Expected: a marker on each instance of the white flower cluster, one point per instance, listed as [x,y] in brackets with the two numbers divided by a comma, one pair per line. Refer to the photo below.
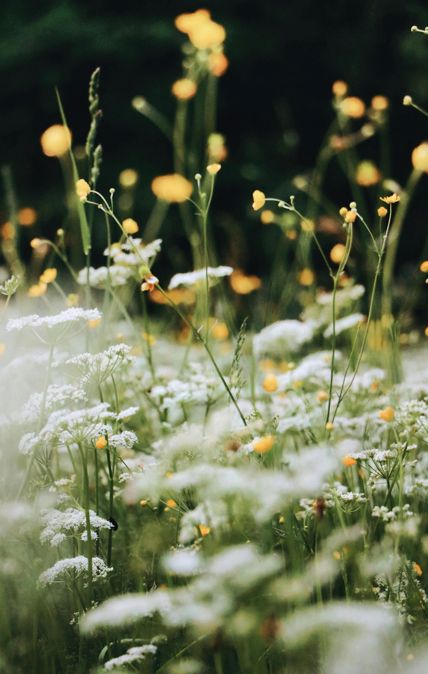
[74,567]
[192,278]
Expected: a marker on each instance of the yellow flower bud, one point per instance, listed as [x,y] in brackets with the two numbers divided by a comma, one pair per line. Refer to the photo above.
[420,157]
[130,226]
[259,199]
[82,189]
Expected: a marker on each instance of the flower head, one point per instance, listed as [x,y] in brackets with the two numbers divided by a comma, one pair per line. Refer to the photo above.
[49,275]
[353,107]
[101,442]
[213,169]
[173,188]
[264,444]
[244,284]
[184,89]
[387,414]
[218,63]
[420,157]
[56,141]
[391,199]
[82,189]
[130,226]
[259,199]
[150,282]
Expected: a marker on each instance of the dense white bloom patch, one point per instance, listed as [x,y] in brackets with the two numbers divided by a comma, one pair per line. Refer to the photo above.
[74,567]
[72,315]
[58,525]
[133,655]
[191,278]
[283,337]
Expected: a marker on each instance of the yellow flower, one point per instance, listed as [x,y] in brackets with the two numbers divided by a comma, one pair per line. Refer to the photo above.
[8,231]
[185,296]
[36,242]
[82,189]
[343,211]
[424,266]
[322,396]
[187,22]
[217,150]
[307,225]
[207,35]
[352,107]
[306,277]
[350,217]
[49,275]
[390,199]
[184,89]
[264,444]
[339,88]
[420,157]
[259,200]
[380,103]
[382,211]
[367,174]
[337,253]
[387,414]
[348,461]
[204,530]
[213,169]
[27,216]
[244,284]
[128,177]
[267,217]
[173,188]
[37,290]
[149,283]
[130,226]
[218,63]
[72,300]
[2,348]
[329,426]
[101,442]
[270,383]
[94,323]
[171,503]
[220,330]
[407,100]
[417,569]
[56,141]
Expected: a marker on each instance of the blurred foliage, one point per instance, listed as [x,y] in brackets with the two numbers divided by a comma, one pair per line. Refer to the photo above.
[274,108]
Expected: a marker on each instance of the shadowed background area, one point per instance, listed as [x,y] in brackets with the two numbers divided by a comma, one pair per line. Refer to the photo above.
[274,103]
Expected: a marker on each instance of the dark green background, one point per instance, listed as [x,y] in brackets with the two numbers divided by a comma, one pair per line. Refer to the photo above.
[274,100]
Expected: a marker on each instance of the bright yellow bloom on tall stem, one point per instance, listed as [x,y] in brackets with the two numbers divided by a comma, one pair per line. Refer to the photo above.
[56,140]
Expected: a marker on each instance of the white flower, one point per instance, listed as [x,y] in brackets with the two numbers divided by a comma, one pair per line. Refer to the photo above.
[343,324]
[132,656]
[72,567]
[116,275]
[193,277]
[60,524]
[283,337]
[72,315]
[125,609]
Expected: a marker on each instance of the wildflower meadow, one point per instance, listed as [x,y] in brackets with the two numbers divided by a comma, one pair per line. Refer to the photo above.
[208,468]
